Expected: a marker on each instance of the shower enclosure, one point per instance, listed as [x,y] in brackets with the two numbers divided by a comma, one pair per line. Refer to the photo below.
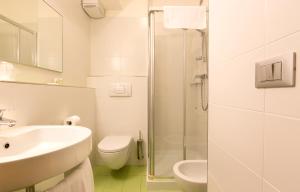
[178,103]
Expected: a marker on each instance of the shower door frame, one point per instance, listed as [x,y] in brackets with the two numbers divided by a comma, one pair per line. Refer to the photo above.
[151,92]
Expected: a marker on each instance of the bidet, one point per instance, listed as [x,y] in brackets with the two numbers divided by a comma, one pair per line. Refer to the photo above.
[191,175]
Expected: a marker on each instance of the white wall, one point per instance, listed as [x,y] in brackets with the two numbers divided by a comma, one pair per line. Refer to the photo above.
[76,48]
[47,105]
[253,133]
[119,54]
[158,3]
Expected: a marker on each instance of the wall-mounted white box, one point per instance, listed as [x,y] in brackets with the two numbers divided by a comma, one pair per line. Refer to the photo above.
[120,90]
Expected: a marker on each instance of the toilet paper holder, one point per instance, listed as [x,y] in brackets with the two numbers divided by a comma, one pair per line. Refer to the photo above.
[72,120]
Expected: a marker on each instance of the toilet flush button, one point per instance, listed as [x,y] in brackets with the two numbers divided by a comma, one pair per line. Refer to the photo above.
[269,72]
[278,71]
[120,90]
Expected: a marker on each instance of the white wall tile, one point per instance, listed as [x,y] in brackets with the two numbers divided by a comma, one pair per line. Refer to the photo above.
[282,18]
[119,46]
[273,31]
[230,175]
[119,52]
[235,22]
[240,133]
[76,48]
[121,115]
[47,105]
[281,152]
[173,2]
[284,100]
[267,187]
[212,185]
[233,82]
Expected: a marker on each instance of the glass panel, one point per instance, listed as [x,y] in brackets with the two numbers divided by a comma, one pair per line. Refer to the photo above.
[9,42]
[168,97]
[28,50]
[180,97]
[196,88]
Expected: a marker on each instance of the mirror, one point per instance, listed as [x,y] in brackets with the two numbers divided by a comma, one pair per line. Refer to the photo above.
[31,34]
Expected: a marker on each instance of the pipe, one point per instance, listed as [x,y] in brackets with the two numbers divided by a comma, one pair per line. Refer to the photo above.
[151,143]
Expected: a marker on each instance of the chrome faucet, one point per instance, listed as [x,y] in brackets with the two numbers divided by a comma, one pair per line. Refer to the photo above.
[4,121]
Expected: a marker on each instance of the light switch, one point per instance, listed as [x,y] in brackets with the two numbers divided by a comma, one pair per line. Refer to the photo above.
[277,70]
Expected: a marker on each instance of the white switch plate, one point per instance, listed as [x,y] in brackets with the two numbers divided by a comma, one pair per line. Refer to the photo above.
[120,90]
[288,68]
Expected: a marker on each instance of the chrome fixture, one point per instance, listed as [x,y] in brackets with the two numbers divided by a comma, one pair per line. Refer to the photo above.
[202,81]
[4,121]
[278,71]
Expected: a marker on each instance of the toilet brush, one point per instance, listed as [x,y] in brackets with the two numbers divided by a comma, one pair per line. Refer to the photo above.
[140,152]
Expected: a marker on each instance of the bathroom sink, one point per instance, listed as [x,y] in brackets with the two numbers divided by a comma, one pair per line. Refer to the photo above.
[32,154]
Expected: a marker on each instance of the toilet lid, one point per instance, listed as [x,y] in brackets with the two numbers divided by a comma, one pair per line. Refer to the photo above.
[114,143]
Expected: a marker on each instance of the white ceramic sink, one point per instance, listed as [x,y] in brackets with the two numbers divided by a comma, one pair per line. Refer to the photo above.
[32,154]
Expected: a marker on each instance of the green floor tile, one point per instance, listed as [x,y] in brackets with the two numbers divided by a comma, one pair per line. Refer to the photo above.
[100,182]
[137,170]
[164,191]
[114,184]
[143,184]
[132,184]
[101,170]
[127,179]
[121,173]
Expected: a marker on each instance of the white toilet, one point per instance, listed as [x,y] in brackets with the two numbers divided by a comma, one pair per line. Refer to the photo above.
[115,150]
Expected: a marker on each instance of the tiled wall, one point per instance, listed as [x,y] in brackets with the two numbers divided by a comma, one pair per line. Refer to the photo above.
[119,53]
[253,133]
[46,105]
[76,48]
[173,2]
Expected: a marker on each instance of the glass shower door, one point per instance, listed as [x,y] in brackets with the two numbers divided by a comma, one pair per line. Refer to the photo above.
[196,88]
[168,97]
[178,79]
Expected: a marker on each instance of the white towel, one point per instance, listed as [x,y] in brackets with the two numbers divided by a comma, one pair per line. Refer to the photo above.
[80,180]
[185,17]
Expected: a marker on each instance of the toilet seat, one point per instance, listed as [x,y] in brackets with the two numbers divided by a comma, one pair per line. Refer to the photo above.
[112,144]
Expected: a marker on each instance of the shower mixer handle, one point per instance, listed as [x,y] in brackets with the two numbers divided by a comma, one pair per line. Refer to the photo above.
[202,76]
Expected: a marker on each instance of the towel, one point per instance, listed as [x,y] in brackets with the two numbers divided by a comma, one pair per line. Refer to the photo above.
[80,180]
[185,17]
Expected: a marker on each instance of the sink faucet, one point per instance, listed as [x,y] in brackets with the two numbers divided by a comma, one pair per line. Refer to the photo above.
[4,121]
